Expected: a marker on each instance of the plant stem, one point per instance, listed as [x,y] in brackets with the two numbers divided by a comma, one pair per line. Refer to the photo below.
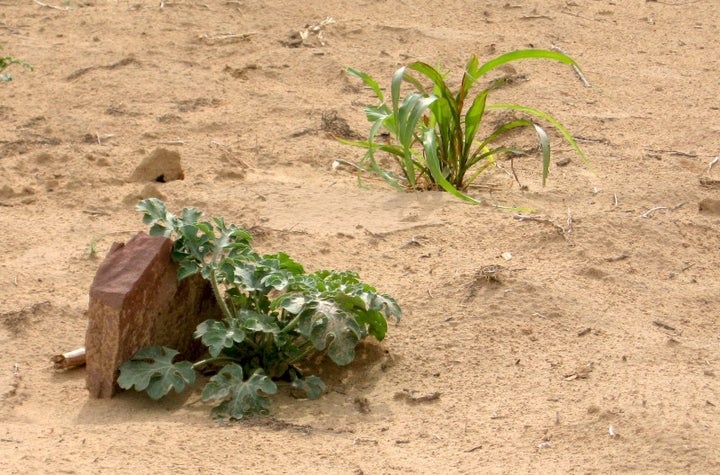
[291,324]
[218,296]
[309,350]
[207,361]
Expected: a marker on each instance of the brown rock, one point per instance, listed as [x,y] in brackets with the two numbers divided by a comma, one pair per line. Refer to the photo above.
[161,165]
[709,206]
[137,301]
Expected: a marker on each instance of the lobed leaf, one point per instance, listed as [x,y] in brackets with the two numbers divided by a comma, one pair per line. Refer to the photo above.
[331,327]
[157,216]
[152,370]
[313,386]
[218,335]
[239,397]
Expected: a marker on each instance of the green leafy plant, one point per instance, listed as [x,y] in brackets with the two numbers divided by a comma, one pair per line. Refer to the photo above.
[7,61]
[274,317]
[434,131]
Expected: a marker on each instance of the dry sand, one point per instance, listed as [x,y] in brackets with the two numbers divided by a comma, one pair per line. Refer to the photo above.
[612,324]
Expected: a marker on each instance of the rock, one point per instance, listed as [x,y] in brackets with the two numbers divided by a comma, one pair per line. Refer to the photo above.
[161,165]
[709,206]
[137,301]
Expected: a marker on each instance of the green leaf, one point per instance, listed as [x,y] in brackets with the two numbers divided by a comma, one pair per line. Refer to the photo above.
[239,398]
[292,303]
[375,323]
[187,268]
[257,322]
[219,335]
[156,214]
[367,80]
[473,119]
[555,123]
[313,386]
[545,147]
[152,370]
[331,323]
[387,305]
[433,161]
[517,56]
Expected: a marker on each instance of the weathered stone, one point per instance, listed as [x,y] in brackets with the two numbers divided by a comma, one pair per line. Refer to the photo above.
[161,165]
[709,206]
[137,301]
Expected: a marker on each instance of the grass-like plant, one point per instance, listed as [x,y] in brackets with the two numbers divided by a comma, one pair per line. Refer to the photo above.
[274,316]
[7,61]
[434,132]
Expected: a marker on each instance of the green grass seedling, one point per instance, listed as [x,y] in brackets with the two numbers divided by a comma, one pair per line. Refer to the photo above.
[434,132]
[6,62]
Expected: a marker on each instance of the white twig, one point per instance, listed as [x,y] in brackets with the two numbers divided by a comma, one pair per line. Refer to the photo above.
[171,142]
[713,163]
[575,67]
[647,213]
[539,219]
[64,9]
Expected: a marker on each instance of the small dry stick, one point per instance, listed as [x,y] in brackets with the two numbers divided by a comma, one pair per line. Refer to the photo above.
[70,359]
[171,142]
[577,70]
[647,213]
[713,163]
[664,325]
[538,219]
[64,9]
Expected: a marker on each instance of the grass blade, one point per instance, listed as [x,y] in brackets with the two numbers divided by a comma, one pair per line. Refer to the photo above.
[552,120]
[517,56]
[367,80]
[545,147]
[430,144]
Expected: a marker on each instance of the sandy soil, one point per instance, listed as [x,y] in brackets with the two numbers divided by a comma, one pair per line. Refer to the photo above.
[612,324]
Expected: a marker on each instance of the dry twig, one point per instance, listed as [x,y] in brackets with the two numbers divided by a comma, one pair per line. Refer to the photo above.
[64,9]
[577,70]
[649,212]
[70,359]
[564,232]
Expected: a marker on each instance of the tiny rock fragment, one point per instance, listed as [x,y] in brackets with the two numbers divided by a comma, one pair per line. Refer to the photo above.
[563,162]
[663,325]
[710,182]
[611,431]
[362,404]
[584,331]
[410,396]
[581,372]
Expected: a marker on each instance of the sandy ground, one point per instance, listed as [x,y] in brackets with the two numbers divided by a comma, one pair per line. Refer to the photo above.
[612,324]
